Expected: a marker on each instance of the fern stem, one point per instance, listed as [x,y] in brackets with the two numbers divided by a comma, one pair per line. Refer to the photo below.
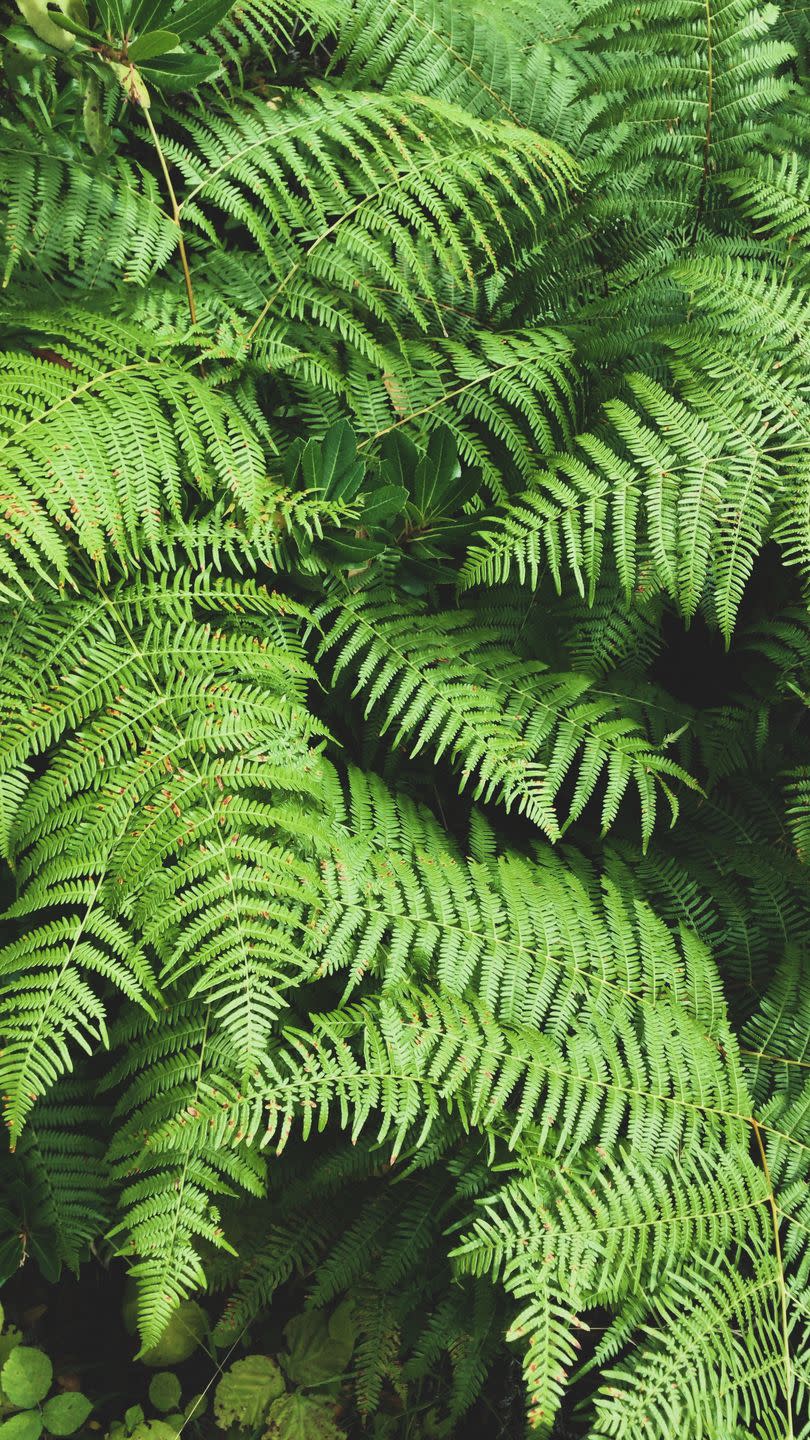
[192,308]
[780,1281]
[707,143]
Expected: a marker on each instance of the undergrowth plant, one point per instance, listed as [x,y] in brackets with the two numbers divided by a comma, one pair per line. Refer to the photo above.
[405,664]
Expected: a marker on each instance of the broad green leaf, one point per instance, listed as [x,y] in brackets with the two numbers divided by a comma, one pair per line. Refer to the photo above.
[95,126]
[154,1430]
[400,459]
[196,1407]
[150,15]
[131,83]
[246,1390]
[179,71]
[26,1376]
[165,1390]
[331,465]
[25,1426]
[436,472]
[74,27]
[65,1414]
[196,18]
[181,1337]
[302,1417]
[319,1348]
[23,38]
[38,17]
[383,504]
[152,44]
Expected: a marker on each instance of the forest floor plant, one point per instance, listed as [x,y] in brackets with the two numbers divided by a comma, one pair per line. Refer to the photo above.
[404,675]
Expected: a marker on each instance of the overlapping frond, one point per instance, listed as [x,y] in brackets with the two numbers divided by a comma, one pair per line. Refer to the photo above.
[512,728]
[681,491]
[526,283]
[95,220]
[178,754]
[106,441]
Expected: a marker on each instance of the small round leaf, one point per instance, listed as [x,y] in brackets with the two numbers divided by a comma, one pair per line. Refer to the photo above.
[26,1376]
[25,1426]
[196,1407]
[65,1414]
[164,1390]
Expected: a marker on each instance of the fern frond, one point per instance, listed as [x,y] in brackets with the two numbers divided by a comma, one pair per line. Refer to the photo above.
[92,220]
[713,1352]
[351,185]
[697,484]
[104,439]
[171,1201]
[444,683]
[178,754]
[57,1183]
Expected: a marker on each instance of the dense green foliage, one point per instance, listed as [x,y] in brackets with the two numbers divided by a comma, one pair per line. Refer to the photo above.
[404,758]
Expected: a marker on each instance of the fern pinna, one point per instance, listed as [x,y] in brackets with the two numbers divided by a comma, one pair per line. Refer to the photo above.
[404,799]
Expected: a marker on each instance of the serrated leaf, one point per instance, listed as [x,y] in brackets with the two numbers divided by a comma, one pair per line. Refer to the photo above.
[196,1407]
[246,1390]
[154,1430]
[302,1417]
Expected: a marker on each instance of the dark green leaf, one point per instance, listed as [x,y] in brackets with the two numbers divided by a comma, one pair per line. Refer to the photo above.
[435,473]
[198,17]
[331,466]
[180,72]
[151,44]
[383,504]
[164,1390]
